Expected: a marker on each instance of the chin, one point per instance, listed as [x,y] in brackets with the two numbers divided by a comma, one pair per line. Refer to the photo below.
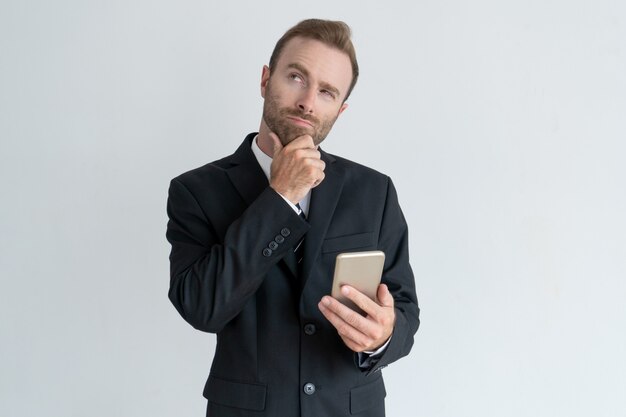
[291,134]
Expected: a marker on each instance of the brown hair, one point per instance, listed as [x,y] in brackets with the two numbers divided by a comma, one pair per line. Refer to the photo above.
[332,33]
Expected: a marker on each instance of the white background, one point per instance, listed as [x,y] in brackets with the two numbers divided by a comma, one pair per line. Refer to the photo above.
[501,123]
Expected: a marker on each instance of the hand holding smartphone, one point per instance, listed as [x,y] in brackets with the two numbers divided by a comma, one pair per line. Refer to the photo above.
[361,270]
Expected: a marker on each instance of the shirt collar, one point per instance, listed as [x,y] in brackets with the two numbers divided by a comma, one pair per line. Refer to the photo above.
[264,161]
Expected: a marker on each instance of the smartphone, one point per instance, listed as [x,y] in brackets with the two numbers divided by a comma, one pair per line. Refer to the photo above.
[361,270]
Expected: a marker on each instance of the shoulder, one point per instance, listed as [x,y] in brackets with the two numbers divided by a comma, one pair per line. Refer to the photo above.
[216,170]
[200,175]
[354,171]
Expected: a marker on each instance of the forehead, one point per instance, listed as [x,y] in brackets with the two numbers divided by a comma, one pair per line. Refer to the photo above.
[324,63]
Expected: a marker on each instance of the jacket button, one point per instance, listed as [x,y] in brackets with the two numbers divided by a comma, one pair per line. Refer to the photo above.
[279,239]
[273,245]
[309,389]
[309,329]
[267,252]
[285,232]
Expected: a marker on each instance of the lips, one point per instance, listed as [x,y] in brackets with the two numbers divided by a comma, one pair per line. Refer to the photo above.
[299,121]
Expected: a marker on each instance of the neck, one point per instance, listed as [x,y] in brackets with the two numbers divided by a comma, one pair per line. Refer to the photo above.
[264,141]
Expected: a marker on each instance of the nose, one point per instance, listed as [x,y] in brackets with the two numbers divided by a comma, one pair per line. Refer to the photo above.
[306,101]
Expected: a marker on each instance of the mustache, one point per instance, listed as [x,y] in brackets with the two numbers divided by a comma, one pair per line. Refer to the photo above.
[314,120]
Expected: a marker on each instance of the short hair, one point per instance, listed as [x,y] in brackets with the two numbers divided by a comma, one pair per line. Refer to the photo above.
[333,33]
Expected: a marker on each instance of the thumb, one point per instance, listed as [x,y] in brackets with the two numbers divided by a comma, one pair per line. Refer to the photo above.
[384,296]
[277,146]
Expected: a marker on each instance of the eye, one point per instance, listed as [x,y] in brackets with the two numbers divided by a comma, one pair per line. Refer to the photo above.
[328,94]
[296,77]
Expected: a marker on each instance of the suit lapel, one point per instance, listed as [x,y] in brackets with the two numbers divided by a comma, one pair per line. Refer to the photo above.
[324,200]
[245,172]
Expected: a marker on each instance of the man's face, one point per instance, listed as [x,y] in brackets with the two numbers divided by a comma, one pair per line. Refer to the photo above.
[304,94]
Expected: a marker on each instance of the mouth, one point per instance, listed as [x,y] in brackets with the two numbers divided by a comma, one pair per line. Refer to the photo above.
[300,122]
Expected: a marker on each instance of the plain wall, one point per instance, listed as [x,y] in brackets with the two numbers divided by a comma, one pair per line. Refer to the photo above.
[501,123]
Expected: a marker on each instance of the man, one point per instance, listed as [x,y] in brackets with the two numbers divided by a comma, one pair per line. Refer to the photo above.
[254,240]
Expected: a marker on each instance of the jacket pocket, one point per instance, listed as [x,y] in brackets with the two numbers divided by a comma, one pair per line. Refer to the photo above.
[250,396]
[368,396]
[348,242]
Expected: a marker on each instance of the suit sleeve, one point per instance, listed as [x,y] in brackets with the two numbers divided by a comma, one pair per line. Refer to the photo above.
[398,277]
[212,277]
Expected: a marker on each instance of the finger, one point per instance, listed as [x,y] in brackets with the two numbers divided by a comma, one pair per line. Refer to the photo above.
[319,180]
[352,345]
[353,337]
[317,177]
[304,141]
[384,296]
[361,300]
[347,315]
[311,154]
[277,145]
[313,165]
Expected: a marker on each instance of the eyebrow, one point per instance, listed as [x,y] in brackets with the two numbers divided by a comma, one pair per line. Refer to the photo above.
[323,84]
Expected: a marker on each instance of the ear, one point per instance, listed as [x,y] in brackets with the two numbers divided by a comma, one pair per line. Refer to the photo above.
[265,77]
[343,107]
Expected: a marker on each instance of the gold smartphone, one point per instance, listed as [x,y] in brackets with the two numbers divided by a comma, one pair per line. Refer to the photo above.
[361,270]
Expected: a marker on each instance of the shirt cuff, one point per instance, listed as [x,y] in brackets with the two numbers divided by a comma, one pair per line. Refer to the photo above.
[367,359]
[293,206]
[380,349]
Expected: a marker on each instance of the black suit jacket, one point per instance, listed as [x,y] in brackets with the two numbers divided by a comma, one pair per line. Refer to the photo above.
[233,272]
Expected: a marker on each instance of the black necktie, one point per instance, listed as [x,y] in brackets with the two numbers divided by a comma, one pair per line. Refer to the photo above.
[299,248]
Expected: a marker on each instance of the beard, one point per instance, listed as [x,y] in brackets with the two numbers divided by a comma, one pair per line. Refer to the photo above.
[275,118]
